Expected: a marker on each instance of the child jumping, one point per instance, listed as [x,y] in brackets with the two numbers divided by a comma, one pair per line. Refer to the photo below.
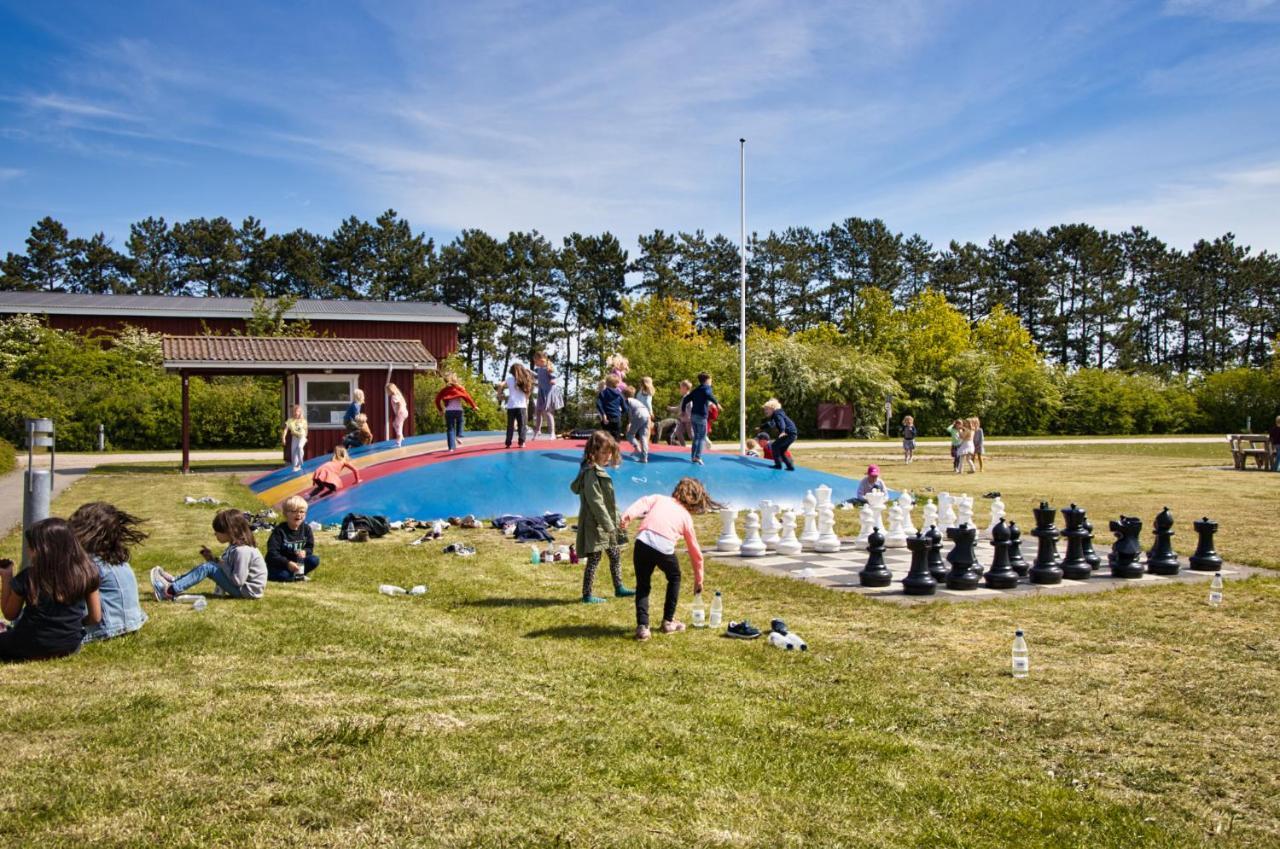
[666,520]
[609,404]
[239,572]
[449,400]
[517,388]
[598,522]
[297,428]
[327,479]
[787,433]
[291,547]
[908,438]
[699,401]
[399,412]
[638,426]
[107,533]
[545,406]
[56,594]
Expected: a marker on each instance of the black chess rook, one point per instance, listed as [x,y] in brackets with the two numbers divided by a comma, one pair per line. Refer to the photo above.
[1205,559]
[1046,569]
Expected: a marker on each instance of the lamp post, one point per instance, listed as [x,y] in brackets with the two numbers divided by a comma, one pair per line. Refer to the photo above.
[742,300]
[37,490]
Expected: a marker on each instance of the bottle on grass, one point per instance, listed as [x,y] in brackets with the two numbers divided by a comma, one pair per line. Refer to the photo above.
[699,614]
[1215,590]
[717,610]
[1021,657]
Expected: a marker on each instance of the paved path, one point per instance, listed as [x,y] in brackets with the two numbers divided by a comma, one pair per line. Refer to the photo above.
[71,467]
[1014,443]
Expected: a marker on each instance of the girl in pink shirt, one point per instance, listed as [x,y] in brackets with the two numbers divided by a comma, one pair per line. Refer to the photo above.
[666,519]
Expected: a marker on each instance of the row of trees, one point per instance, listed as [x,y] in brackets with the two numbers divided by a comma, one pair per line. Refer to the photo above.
[1087,297]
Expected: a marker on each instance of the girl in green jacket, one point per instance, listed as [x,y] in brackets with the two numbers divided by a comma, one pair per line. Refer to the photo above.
[598,525]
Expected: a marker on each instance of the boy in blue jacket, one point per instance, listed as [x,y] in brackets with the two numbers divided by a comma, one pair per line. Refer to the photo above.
[787,433]
[609,404]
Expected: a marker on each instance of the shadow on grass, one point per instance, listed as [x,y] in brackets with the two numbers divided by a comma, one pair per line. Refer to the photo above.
[172,468]
[579,632]
[499,601]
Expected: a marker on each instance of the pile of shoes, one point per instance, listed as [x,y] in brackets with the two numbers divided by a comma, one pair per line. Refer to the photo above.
[460,549]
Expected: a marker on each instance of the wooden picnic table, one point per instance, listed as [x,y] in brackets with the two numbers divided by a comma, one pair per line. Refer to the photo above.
[1255,445]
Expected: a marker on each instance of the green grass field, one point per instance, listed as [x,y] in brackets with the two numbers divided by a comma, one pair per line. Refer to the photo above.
[498,711]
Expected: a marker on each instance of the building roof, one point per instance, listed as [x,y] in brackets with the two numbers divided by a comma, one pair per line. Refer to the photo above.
[263,353]
[123,306]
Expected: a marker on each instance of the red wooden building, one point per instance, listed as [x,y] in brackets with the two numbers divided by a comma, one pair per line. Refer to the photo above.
[360,344]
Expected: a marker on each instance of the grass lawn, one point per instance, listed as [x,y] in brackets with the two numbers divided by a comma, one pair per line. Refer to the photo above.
[498,711]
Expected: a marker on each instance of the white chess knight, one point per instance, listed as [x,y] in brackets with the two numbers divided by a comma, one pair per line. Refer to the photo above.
[946,511]
[866,524]
[876,500]
[906,503]
[728,540]
[789,545]
[810,534]
[964,510]
[930,516]
[769,526]
[895,537]
[997,513]
[827,539]
[752,545]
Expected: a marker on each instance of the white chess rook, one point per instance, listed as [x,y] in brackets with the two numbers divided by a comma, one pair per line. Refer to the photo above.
[752,545]
[728,540]
[789,545]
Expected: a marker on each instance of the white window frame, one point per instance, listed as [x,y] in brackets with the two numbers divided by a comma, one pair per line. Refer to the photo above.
[304,383]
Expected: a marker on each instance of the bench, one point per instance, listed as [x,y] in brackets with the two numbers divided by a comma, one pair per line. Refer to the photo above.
[1255,445]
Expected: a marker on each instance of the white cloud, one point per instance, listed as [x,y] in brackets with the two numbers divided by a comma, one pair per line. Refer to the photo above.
[1225,10]
[78,108]
[10,174]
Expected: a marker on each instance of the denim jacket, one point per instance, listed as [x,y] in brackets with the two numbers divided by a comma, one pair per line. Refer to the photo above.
[121,612]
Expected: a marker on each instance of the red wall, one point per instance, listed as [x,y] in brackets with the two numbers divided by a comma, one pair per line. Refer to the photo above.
[374,384]
[440,339]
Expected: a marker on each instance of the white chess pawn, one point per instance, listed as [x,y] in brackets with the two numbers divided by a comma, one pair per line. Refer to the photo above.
[769,524]
[823,494]
[906,503]
[789,545]
[895,537]
[997,513]
[827,539]
[728,540]
[866,524]
[752,545]
[930,515]
[964,511]
[810,535]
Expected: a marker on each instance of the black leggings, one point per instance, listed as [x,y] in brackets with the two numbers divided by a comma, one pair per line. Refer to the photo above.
[779,448]
[515,419]
[321,489]
[648,558]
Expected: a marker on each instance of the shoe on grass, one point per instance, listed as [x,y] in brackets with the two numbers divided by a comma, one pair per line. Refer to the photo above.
[743,630]
[642,633]
[674,626]
[161,584]
[623,592]
[593,599]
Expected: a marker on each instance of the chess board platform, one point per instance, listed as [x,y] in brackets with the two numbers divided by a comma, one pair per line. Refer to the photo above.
[839,571]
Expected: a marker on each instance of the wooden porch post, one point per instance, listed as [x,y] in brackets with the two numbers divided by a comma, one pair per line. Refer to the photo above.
[186,422]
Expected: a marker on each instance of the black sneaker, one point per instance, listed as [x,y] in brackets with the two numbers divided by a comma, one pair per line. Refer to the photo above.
[778,627]
[743,630]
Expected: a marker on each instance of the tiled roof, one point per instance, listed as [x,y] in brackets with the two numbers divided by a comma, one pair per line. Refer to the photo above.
[118,306]
[274,353]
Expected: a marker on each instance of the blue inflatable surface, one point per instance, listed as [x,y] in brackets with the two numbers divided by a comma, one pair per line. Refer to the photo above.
[534,481]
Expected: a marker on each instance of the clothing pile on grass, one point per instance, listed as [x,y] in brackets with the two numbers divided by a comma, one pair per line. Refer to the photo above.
[530,528]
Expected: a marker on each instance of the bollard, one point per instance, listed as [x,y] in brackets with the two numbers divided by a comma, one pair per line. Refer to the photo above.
[37,490]
[102,438]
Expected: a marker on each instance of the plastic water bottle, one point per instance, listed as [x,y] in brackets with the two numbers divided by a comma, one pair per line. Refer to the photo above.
[391,589]
[699,612]
[420,589]
[717,610]
[534,557]
[1215,590]
[1021,657]
[200,604]
[795,641]
[780,641]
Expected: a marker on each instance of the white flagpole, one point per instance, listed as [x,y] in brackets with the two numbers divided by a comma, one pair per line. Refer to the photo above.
[742,302]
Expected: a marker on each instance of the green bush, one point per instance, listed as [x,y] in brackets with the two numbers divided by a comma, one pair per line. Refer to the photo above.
[8,458]
[1231,401]
[427,419]
[20,401]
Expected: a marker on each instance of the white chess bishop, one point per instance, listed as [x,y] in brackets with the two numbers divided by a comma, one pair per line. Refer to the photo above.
[728,540]
[789,545]
[810,535]
[895,537]
[752,545]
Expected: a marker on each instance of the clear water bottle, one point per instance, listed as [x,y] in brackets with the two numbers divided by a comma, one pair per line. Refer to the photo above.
[717,610]
[1215,590]
[1021,657]
[391,589]
[699,612]
[780,641]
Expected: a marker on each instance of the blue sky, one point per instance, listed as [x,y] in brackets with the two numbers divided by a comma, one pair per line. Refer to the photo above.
[951,119]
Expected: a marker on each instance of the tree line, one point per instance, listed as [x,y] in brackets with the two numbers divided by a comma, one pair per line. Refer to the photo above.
[1088,298]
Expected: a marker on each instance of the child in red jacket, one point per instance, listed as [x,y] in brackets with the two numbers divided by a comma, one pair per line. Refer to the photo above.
[449,400]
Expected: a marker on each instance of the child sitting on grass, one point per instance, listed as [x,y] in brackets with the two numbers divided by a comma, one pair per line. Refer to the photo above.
[240,572]
[291,547]
[666,519]
[56,594]
[107,533]
[327,479]
[598,526]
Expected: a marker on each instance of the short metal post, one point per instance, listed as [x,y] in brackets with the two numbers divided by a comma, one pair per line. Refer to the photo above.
[37,489]
[102,437]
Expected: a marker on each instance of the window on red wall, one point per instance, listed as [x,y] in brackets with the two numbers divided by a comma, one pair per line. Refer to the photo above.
[325,398]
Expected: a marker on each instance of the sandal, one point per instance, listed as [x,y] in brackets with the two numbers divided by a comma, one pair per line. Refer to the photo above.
[673,626]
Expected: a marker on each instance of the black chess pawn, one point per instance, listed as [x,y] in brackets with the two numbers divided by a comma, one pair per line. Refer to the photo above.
[962,575]
[875,573]
[1001,575]
[1046,568]
[936,567]
[1090,556]
[919,580]
[1074,565]
[1162,559]
[1016,561]
[1206,559]
[1126,551]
